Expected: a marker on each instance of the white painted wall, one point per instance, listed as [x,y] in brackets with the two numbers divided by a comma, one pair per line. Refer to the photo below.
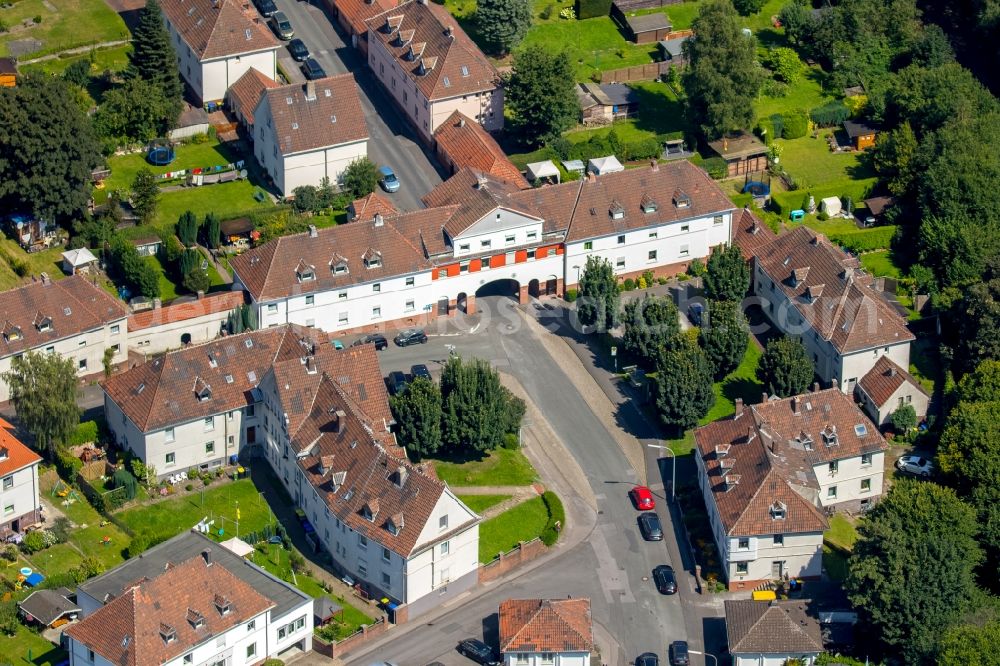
[546,659]
[434,564]
[855,366]
[166,335]
[842,480]
[772,659]
[906,394]
[501,230]
[484,107]
[18,493]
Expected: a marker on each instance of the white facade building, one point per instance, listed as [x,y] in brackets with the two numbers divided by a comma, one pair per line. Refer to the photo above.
[304,133]
[19,505]
[217,42]
[774,633]
[181,323]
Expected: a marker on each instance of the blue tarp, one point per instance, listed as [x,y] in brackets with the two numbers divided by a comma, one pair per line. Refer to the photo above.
[34,579]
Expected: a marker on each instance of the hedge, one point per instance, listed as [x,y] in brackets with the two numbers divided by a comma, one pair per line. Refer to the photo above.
[586,9]
[796,124]
[785,202]
[716,167]
[557,514]
[85,433]
[830,114]
[865,240]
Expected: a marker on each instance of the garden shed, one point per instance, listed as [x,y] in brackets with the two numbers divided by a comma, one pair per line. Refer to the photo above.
[49,607]
[324,610]
[672,50]
[606,101]
[862,136]
[602,165]
[646,29]
[542,170]
[80,260]
[743,152]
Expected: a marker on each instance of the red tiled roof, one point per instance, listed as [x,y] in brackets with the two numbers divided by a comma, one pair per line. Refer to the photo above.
[313,115]
[750,234]
[14,455]
[848,312]
[358,11]
[246,92]
[210,304]
[70,306]
[546,625]
[444,48]
[884,379]
[765,454]
[365,209]
[467,144]
[219,28]
[130,630]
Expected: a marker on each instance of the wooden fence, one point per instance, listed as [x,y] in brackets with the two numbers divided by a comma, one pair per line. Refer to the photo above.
[648,72]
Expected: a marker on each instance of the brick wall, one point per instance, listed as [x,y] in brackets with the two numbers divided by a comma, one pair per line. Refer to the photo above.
[352,642]
[524,553]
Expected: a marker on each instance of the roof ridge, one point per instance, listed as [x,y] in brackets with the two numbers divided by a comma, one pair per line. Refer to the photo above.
[557,606]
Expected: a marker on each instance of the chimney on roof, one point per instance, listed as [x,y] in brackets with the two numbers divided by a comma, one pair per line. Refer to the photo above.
[739,408]
[401,474]
[654,166]
[449,31]
[310,91]
[481,182]
[591,177]
[795,405]
[815,387]
[378,220]
[763,397]
[207,556]
[339,418]
[45,277]
[892,371]
[313,233]
[461,122]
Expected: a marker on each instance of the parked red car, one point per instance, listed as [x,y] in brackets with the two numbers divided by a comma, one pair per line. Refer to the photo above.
[642,498]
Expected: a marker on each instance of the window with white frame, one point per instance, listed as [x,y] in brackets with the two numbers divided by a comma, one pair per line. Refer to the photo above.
[743,544]
[620,262]
[509,239]
[410,306]
[170,459]
[209,448]
[445,547]
[621,239]
[866,485]
[742,567]
[272,308]
[652,255]
[685,228]
[653,235]
[386,555]
[588,245]
[443,522]
[831,492]
[376,312]
[377,288]
[410,281]
[717,220]
[342,296]
[342,318]
[168,435]
[310,299]
[532,235]
[209,423]
[8,482]
[779,539]
[485,244]
[866,459]
[251,650]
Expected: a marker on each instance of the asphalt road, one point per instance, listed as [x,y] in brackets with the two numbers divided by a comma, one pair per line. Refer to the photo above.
[612,566]
[393,142]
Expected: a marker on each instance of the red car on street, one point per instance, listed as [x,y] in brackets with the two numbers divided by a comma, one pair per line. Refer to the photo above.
[642,498]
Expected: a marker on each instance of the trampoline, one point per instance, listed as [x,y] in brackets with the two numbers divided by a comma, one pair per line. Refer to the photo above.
[757,188]
[160,154]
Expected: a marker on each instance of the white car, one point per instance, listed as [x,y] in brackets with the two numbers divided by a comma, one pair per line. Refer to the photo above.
[915,465]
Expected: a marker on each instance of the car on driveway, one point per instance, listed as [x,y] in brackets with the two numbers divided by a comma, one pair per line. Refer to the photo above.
[313,70]
[267,8]
[679,654]
[298,49]
[421,371]
[388,180]
[281,26]
[647,659]
[411,336]
[696,312]
[477,651]
[396,382]
[649,525]
[666,581]
[376,339]
[642,498]
[913,464]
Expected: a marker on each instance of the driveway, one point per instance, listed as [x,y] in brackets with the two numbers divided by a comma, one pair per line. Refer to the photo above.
[393,142]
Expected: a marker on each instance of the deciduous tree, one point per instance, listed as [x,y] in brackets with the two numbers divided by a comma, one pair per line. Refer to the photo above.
[785,368]
[724,336]
[418,413]
[727,276]
[361,177]
[977,319]
[132,113]
[650,323]
[748,7]
[540,95]
[145,195]
[154,60]
[919,531]
[43,391]
[904,418]
[683,384]
[598,302]
[722,77]
[502,24]
[128,266]
[478,409]
[966,644]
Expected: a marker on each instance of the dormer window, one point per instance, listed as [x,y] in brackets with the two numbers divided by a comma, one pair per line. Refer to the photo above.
[305,272]
[167,633]
[4,453]
[648,204]
[616,210]
[404,37]
[415,51]
[813,292]
[370,510]
[805,440]
[338,265]
[195,619]
[372,258]
[12,332]
[681,199]
[43,322]
[799,275]
[830,436]
[394,525]
[778,511]
[202,390]
[392,24]
[223,605]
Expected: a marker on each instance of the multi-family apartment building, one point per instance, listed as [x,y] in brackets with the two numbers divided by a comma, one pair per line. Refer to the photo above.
[321,419]
[181,323]
[814,291]
[188,600]
[71,317]
[19,505]
[481,234]
[431,68]
[771,472]
[216,42]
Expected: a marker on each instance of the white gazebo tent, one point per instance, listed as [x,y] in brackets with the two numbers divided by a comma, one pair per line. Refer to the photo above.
[602,165]
[78,261]
[831,206]
[540,170]
[238,547]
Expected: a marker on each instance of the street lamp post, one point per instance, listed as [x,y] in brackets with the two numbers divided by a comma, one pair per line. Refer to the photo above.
[707,654]
[673,468]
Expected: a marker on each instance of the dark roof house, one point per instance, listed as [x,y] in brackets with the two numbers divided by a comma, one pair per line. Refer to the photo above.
[48,607]
[775,628]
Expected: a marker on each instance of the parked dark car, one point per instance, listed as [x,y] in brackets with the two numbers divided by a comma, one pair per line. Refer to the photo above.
[696,313]
[666,581]
[679,654]
[411,336]
[649,525]
[647,659]
[298,49]
[396,382]
[313,70]
[267,8]
[421,371]
[477,651]
[376,339]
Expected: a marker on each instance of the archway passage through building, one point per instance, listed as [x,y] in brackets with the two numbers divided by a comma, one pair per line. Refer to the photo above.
[503,287]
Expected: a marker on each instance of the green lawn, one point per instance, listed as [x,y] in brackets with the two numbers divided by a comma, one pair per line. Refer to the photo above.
[188,156]
[502,467]
[114,58]
[480,503]
[73,23]
[740,383]
[522,523]
[168,290]
[838,541]
[835,563]
[34,263]
[812,164]
[218,502]
[805,93]
[88,536]
[56,559]
[880,264]
[593,45]
[224,199]
[925,362]
[660,112]
[26,646]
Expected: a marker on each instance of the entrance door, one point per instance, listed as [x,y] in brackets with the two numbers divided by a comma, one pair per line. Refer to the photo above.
[777,569]
[550,286]
[252,435]
[443,306]
[533,289]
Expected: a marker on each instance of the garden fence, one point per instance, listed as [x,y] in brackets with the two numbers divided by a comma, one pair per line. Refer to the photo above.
[648,72]
[632,5]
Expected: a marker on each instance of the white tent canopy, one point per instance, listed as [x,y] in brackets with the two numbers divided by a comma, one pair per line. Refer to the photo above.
[539,170]
[830,206]
[602,165]
[74,260]
[238,547]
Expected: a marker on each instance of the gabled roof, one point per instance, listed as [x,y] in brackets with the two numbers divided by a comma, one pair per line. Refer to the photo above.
[73,304]
[14,455]
[157,620]
[750,234]
[313,115]
[850,313]
[855,129]
[765,454]
[449,64]
[358,11]
[79,257]
[467,144]
[775,627]
[223,301]
[884,379]
[546,625]
[246,92]
[161,393]
[219,28]
[47,606]
[366,208]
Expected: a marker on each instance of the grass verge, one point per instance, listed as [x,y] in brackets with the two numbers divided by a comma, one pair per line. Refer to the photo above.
[522,523]
[63,25]
[480,503]
[502,467]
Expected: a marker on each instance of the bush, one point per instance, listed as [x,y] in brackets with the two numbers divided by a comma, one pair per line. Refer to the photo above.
[547,12]
[773,88]
[696,268]
[716,167]
[60,529]
[123,478]
[9,623]
[569,14]
[562,147]
[586,9]
[273,662]
[33,542]
[628,284]
[778,124]
[796,124]
[138,545]
[9,552]
[865,240]
[647,149]
[297,562]
[511,441]
[571,295]
[831,114]
[68,466]
[85,433]
[822,216]
[557,518]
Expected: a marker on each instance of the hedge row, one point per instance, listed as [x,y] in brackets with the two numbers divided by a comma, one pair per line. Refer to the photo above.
[586,9]
[830,114]
[865,240]
[785,202]
[557,514]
